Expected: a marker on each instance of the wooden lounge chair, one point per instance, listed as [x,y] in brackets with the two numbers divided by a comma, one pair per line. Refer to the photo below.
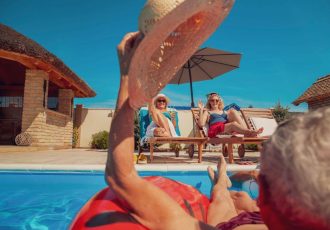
[144,121]
[248,115]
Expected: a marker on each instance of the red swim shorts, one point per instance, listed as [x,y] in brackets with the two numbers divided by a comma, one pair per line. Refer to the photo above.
[216,128]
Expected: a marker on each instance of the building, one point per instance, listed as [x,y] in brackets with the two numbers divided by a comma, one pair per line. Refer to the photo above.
[36,93]
[316,96]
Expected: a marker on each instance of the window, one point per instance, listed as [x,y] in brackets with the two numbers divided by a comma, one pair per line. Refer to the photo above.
[6,102]
[52,103]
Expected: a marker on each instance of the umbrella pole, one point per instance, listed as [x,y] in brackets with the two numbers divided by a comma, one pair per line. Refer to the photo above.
[192,146]
[191,89]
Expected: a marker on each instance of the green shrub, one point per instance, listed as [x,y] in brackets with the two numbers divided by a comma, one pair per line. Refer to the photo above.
[75,137]
[280,113]
[252,147]
[100,140]
[175,147]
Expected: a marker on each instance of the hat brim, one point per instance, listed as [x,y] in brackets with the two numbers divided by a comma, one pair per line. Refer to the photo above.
[193,21]
[162,96]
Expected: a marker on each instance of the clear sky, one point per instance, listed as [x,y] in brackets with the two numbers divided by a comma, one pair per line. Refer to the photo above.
[285,46]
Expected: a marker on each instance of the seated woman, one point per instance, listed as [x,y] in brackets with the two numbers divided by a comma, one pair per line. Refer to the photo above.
[220,121]
[161,125]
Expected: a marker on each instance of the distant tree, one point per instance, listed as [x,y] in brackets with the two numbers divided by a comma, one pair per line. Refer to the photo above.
[280,113]
[250,106]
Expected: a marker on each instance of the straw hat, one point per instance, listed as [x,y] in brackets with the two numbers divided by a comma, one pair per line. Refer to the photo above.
[173,30]
[161,95]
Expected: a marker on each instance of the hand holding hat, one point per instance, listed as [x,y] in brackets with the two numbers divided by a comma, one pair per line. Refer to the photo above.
[126,49]
[173,29]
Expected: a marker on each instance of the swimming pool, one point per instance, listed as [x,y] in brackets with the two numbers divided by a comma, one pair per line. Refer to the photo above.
[50,199]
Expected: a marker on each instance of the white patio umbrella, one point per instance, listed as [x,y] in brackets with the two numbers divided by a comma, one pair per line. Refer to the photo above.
[206,64]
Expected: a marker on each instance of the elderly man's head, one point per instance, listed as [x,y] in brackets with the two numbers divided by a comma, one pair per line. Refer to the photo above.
[295,172]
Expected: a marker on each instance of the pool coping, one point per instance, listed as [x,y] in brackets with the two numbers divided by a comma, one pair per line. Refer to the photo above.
[138,167]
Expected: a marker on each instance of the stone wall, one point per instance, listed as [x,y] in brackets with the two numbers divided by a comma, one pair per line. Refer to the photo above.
[57,129]
[91,121]
[47,127]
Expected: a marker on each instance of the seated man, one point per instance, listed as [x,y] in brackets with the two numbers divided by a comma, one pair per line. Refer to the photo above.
[294,175]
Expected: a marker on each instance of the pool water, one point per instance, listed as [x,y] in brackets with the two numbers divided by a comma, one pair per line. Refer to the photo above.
[51,199]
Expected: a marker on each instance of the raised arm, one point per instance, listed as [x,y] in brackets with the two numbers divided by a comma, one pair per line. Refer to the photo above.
[150,205]
[121,132]
[203,114]
[152,109]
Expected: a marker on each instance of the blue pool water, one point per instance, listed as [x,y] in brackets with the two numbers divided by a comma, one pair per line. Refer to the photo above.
[50,199]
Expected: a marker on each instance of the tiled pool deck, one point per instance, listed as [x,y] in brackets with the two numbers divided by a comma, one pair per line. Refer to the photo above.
[29,158]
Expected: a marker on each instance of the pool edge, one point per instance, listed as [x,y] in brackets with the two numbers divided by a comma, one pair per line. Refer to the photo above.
[147,167]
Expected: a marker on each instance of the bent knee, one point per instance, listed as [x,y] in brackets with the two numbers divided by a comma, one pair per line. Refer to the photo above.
[231,112]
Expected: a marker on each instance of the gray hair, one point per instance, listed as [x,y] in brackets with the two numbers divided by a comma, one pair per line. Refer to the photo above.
[295,163]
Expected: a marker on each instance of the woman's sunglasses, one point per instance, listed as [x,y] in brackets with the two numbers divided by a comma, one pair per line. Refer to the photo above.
[214,100]
[164,101]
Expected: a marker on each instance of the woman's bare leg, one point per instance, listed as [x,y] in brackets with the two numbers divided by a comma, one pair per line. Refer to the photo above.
[160,120]
[234,115]
[222,207]
[236,127]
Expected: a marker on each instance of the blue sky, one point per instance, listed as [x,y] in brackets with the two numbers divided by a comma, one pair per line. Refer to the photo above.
[285,46]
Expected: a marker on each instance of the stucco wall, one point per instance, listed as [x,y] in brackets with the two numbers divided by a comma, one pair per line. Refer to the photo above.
[96,120]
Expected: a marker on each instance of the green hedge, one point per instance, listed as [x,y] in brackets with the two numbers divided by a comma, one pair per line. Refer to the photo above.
[252,147]
[100,140]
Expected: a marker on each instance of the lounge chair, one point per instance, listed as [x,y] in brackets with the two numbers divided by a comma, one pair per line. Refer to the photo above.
[144,121]
[254,119]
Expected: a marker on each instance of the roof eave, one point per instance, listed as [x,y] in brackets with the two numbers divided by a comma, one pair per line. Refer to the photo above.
[318,97]
[81,89]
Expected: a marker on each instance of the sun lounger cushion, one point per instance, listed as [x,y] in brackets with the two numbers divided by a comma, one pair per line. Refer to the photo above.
[268,124]
[144,121]
[232,106]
